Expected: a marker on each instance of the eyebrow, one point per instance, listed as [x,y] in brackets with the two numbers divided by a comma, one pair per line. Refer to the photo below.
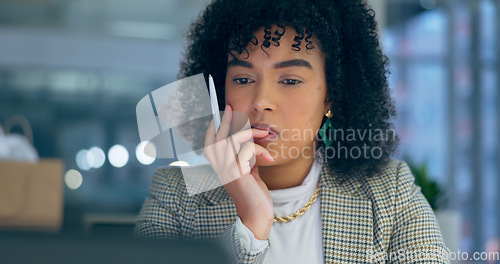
[279,65]
[292,63]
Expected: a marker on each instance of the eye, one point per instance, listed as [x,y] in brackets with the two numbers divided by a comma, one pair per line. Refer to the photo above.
[242,81]
[290,81]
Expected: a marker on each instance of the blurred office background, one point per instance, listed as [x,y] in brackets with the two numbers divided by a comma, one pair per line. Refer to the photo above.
[76,69]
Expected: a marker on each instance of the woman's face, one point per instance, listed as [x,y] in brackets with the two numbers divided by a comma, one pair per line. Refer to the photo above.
[283,91]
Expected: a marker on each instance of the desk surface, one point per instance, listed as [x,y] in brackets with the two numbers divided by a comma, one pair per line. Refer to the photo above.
[78,248]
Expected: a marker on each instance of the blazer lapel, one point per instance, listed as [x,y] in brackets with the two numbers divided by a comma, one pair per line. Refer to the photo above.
[347,220]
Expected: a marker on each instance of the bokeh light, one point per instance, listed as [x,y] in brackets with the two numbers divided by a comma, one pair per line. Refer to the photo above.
[73,179]
[98,157]
[84,159]
[118,156]
[141,155]
[179,163]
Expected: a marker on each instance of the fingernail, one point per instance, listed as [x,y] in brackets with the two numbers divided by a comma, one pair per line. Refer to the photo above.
[227,107]
[271,158]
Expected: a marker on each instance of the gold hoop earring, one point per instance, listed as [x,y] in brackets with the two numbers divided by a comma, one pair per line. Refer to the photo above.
[329,114]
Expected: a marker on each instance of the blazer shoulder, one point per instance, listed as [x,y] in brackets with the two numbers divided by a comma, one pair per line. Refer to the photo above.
[167,179]
[188,184]
[393,176]
[389,173]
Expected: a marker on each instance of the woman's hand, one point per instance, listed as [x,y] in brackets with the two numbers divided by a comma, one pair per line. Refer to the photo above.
[233,158]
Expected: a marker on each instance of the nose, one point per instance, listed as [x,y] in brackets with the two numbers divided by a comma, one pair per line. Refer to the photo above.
[264,99]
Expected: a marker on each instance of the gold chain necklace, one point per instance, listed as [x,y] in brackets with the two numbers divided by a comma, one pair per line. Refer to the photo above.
[301,211]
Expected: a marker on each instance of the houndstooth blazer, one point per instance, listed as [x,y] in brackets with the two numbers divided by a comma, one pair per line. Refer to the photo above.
[381,219]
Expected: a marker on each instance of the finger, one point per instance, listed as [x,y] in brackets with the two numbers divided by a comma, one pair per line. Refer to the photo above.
[247,152]
[221,135]
[220,151]
[231,157]
[263,152]
[231,169]
[246,158]
[209,150]
[259,133]
[225,124]
[250,150]
[247,134]
[210,135]
[226,150]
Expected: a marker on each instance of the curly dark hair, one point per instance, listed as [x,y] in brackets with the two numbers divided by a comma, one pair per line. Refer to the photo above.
[355,67]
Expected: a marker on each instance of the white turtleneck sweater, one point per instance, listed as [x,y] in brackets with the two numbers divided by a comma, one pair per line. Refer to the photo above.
[298,241]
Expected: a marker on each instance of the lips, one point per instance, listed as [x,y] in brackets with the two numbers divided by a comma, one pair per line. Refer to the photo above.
[264,126]
[272,133]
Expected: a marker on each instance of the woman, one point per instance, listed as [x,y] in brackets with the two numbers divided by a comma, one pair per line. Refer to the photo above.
[296,69]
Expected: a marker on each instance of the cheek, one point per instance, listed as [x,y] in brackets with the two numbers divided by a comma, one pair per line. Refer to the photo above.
[310,105]
[229,94]
[238,101]
[233,98]
[309,113]
[303,115]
